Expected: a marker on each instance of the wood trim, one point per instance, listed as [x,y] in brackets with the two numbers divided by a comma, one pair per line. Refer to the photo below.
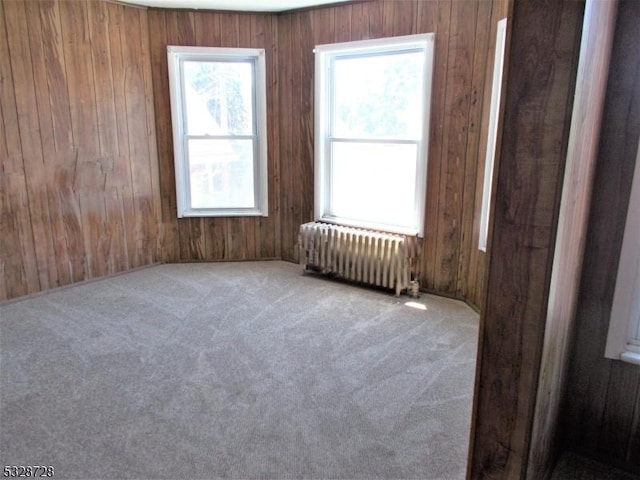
[540,64]
[602,402]
[593,67]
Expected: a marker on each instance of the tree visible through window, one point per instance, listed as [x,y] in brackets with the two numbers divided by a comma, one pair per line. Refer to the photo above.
[218,110]
[372,103]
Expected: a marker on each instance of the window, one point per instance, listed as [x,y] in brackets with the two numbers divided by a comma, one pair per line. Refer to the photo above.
[623,340]
[371,132]
[218,109]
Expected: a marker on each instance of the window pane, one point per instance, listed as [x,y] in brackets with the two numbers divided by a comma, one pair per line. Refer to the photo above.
[378,96]
[218,98]
[374,182]
[221,173]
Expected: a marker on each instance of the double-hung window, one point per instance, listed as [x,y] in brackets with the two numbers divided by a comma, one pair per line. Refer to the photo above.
[623,340]
[372,102]
[218,110]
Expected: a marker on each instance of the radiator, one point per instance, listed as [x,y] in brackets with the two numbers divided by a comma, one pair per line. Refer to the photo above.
[366,256]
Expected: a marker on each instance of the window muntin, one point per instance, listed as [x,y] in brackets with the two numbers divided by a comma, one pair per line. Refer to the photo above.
[372,111]
[218,106]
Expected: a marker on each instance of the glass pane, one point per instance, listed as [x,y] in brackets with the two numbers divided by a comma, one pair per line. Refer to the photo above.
[221,173]
[218,98]
[374,182]
[378,96]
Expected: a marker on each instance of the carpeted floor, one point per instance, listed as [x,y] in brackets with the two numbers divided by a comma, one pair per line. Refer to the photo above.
[235,370]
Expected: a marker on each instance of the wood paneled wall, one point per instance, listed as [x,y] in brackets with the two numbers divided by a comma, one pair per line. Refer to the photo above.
[239,238]
[465,38]
[591,83]
[79,177]
[85,95]
[541,66]
[602,408]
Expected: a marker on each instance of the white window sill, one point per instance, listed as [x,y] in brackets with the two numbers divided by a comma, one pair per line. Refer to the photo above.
[630,357]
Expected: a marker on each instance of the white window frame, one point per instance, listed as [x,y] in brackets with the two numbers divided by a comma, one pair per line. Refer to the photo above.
[623,340]
[177,55]
[324,56]
[489,162]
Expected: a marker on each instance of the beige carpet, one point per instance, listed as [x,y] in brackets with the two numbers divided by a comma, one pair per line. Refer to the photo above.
[236,370]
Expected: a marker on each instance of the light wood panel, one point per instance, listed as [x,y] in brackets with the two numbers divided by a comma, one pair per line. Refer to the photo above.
[78,164]
[233,238]
[602,407]
[457,111]
[540,70]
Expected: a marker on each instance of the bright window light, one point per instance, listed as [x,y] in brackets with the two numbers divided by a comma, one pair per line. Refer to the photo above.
[416,305]
[218,108]
[372,111]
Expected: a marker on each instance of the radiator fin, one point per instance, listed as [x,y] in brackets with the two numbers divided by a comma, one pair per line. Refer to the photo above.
[366,256]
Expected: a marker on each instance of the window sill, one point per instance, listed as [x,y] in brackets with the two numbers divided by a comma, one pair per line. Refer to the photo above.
[630,357]
[379,227]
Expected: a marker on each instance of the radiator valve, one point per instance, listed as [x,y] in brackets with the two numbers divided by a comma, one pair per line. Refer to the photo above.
[414,289]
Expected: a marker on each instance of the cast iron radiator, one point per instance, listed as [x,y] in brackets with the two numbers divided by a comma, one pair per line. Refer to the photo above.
[367,256]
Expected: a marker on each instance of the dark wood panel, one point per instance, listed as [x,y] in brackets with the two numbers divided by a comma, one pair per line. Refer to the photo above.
[476,278]
[468,260]
[268,230]
[442,23]
[597,35]
[166,171]
[603,397]
[287,125]
[454,152]
[540,71]
[75,91]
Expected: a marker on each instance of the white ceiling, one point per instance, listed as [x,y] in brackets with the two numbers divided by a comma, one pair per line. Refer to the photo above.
[236,5]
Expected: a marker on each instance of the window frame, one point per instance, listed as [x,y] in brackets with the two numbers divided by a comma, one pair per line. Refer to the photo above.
[176,56]
[324,56]
[492,136]
[623,339]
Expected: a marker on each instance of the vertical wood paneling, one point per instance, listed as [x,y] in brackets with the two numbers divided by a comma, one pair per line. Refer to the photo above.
[307,111]
[234,238]
[122,217]
[31,146]
[113,205]
[84,126]
[155,240]
[461,29]
[287,123]
[595,49]
[602,403]
[438,117]
[468,251]
[160,78]
[299,163]
[17,257]
[456,127]
[404,19]
[477,266]
[66,184]
[267,232]
[540,70]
